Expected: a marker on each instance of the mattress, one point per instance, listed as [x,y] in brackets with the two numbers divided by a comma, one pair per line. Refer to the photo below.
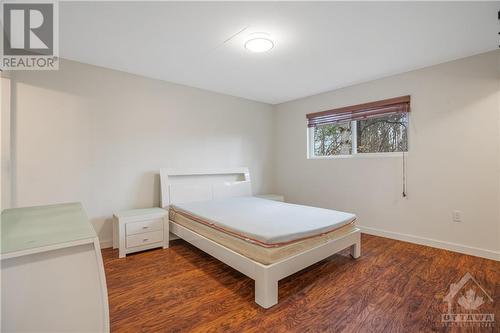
[252,249]
[265,222]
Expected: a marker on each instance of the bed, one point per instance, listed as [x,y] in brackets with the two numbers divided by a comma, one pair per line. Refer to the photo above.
[266,240]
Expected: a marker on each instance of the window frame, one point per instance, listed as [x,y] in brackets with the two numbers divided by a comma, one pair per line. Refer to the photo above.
[354,113]
[354,142]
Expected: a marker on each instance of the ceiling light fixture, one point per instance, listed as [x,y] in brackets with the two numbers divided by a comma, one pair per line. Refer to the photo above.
[259,42]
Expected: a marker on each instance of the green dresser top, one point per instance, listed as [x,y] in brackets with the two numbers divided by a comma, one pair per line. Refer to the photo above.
[33,227]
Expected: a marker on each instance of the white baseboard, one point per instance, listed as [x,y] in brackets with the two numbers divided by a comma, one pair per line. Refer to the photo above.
[473,251]
[106,243]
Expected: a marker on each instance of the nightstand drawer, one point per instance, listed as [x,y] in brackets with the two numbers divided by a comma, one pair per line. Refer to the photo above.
[144,238]
[133,228]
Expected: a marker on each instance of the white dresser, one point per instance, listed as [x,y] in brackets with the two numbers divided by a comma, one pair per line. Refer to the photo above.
[52,271]
[140,229]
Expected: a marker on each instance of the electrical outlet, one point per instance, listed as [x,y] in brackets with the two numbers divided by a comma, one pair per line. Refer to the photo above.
[457,216]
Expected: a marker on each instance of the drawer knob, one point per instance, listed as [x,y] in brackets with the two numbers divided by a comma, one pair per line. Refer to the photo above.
[145,227]
[145,240]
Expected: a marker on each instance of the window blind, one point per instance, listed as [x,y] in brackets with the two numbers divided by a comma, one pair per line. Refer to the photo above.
[361,111]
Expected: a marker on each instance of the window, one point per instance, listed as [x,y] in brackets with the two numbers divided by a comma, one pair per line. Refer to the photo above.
[376,127]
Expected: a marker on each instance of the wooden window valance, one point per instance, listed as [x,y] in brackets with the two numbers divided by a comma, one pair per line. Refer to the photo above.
[361,111]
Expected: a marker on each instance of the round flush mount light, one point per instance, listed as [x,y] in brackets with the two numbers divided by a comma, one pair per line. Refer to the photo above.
[259,42]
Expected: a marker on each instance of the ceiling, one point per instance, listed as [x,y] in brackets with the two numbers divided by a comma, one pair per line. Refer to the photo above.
[318,46]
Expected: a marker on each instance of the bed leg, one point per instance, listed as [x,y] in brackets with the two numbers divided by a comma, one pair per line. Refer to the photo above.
[356,248]
[266,291]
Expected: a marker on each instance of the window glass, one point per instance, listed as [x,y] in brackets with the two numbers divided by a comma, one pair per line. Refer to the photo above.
[382,134]
[333,139]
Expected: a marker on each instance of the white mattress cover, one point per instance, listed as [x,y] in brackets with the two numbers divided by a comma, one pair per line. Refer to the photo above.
[267,221]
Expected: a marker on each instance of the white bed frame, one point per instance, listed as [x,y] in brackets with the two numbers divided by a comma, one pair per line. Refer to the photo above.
[178,186]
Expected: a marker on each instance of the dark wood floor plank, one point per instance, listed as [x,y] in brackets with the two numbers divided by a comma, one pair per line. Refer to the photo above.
[394,287]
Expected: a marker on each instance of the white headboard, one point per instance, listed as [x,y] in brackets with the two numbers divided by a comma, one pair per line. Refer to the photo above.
[179,186]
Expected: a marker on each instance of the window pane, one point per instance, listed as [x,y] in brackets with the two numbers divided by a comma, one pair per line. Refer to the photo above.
[383,134]
[333,139]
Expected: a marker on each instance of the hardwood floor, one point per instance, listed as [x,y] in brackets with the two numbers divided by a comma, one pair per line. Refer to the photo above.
[394,287]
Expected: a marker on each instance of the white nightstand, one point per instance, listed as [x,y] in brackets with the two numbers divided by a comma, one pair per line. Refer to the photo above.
[275,197]
[140,229]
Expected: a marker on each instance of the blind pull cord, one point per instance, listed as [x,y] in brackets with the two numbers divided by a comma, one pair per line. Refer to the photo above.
[404,194]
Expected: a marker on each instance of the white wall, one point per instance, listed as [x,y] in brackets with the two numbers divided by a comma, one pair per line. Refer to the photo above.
[99,136]
[453,159]
[4,138]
